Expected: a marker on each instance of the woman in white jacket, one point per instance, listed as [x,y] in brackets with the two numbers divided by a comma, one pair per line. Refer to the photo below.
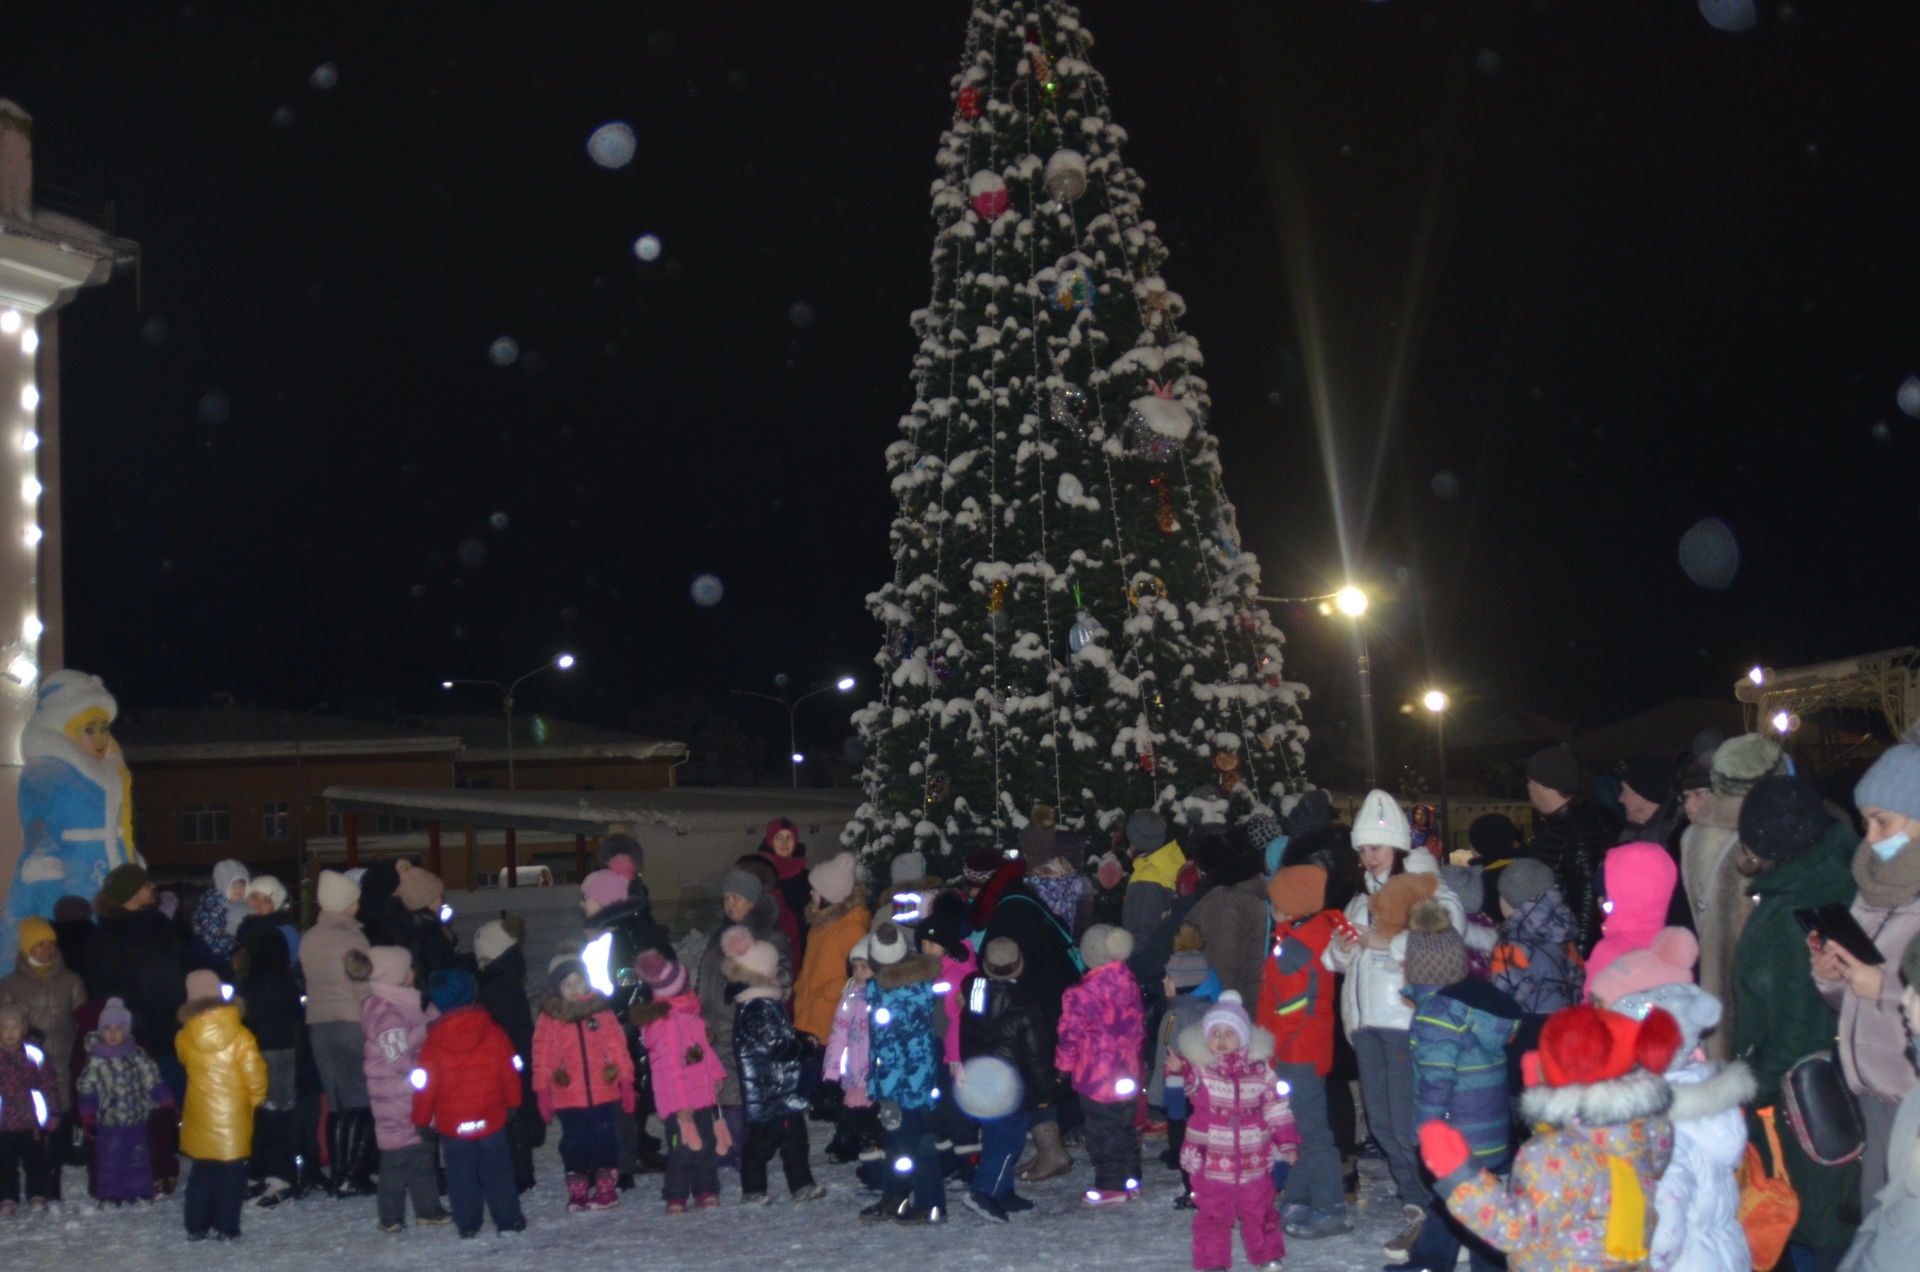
[1376,1016]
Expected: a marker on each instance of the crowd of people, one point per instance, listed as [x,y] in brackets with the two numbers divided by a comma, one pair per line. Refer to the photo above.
[1570,1052]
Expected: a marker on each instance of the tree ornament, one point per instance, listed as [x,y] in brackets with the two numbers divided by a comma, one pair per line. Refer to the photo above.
[1169,523]
[1228,764]
[969,101]
[1072,292]
[902,645]
[1085,630]
[1069,407]
[997,614]
[1248,621]
[1146,587]
[936,788]
[1066,175]
[1157,425]
[941,671]
[988,194]
[1042,72]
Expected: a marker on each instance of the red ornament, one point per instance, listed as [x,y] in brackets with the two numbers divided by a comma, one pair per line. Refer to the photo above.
[1169,523]
[969,100]
[1146,758]
[991,203]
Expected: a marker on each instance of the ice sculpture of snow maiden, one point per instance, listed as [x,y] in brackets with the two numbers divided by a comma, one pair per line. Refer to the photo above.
[76,800]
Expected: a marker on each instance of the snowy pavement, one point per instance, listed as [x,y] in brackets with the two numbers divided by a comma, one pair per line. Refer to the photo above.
[321,1234]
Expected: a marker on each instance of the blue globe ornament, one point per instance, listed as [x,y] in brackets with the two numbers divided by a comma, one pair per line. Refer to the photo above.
[1083,632]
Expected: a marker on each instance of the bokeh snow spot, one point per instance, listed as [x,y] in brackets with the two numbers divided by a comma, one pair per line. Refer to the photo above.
[647,247]
[1710,554]
[1446,484]
[1732,16]
[471,553]
[1907,397]
[800,313]
[498,521]
[611,145]
[707,590]
[324,76]
[504,351]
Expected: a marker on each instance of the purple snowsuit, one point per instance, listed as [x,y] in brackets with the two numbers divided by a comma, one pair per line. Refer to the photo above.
[395,1028]
[118,1089]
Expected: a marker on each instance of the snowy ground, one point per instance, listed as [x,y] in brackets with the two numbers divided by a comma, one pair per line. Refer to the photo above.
[321,1234]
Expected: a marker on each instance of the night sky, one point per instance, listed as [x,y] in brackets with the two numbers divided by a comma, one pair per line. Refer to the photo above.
[1569,278]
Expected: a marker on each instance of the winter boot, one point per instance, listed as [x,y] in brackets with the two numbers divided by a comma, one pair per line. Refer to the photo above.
[354,1177]
[576,1192]
[1049,1160]
[887,1207]
[606,1193]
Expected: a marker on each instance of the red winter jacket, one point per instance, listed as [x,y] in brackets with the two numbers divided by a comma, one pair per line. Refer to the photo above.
[580,1053]
[469,1075]
[1296,1003]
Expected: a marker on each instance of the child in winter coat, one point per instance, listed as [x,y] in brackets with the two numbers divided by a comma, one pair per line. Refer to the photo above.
[1190,988]
[1537,962]
[1699,1196]
[226,1081]
[395,1025]
[997,1020]
[1102,1029]
[845,1062]
[49,992]
[1636,888]
[768,1052]
[942,933]
[686,1083]
[466,1086]
[1581,1196]
[28,1113]
[1891,1233]
[217,917]
[903,1073]
[1238,1125]
[119,1089]
[583,1073]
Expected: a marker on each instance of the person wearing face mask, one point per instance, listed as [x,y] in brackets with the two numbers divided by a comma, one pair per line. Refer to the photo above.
[1873,1043]
[1887,1240]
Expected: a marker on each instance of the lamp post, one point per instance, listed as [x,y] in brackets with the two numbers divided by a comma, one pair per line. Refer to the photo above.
[1353,602]
[1436,702]
[563,662]
[794,757]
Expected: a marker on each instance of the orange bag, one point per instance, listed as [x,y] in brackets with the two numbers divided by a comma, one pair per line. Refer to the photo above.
[1768,1205]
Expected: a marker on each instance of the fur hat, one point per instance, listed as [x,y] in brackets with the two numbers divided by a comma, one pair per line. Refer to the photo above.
[1494,837]
[1001,960]
[203,984]
[337,893]
[1740,762]
[33,930]
[1146,831]
[908,867]
[833,878]
[1037,843]
[1557,769]
[1582,1045]
[450,987]
[981,866]
[116,1013]
[1669,960]
[1298,891]
[665,976]
[946,922]
[1312,811]
[1466,882]
[1262,829]
[122,882]
[743,884]
[1381,822]
[1436,955]
[1102,944]
[1893,783]
[888,944]
[269,887]
[1229,1013]
[1394,902]
[1782,817]
[1651,778]
[419,888]
[606,887]
[622,845]
[1693,1009]
[1524,881]
[494,938]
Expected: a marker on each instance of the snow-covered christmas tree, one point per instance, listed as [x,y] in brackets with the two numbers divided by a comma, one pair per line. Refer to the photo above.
[1071,620]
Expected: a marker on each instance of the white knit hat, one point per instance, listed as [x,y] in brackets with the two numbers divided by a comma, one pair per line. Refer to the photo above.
[1381,822]
[270,888]
[337,892]
[491,941]
[888,945]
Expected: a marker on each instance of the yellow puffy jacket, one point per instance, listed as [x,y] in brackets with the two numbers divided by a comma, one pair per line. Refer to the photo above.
[226,1080]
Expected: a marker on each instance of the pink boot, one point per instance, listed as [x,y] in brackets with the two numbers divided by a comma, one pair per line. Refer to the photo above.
[606,1193]
[576,1192]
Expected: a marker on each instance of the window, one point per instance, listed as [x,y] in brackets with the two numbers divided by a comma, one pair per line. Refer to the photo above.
[273,819]
[205,824]
[336,825]
[385,825]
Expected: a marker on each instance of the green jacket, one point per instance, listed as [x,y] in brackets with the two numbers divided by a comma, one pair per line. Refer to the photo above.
[1780,1018]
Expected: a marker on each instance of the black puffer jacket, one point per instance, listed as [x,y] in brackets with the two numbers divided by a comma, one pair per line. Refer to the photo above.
[134,955]
[767,1052]
[1007,907]
[502,990]
[997,1020]
[1574,841]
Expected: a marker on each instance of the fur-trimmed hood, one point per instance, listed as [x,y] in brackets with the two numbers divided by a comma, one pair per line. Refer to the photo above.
[567,1011]
[1702,1090]
[821,915]
[1638,1094]
[911,970]
[1192,1043]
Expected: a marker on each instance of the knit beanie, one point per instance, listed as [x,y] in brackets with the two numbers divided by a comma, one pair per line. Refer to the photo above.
[33,930]
[1782,817]
[1102,944]
[450,987]
[833,878]
[1146,831]
[1188,968]
[1524,881]
[1298,891]
[116,1013]
[862,950]
[605,888]
[908,867]
[1651,778]
[1262,829]
[418,889]
[1466,882]
[269,887]
[492,940]
[561,966]
[202,984]
[337,893]
[1394,902]
[1893,783]
[665,975]
[1001,960]
[1557,769]
[1037,844]
[1436,955]
[946,922]
[122,882]
[1669,960]
[1494,837]
[740,883]
[981,866]
[1742,761]
[1692,1008]
[1229,1013]
[1381,822]
[1312,811]
[889,944]
[619,845]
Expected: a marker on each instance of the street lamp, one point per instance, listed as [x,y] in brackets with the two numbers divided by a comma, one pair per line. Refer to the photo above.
[563,662]
[1353,602]
[1436,702]
[795,756]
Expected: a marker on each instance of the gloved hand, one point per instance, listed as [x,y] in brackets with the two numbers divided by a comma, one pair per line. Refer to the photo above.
[689,1130]
[609,1073]
[545,1099]
[722,1137]
[626,1098]
[1442,1148]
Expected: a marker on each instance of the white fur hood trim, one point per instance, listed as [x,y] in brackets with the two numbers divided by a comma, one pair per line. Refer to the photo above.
[1638,1094]
[1192,1043]
[1704,1090]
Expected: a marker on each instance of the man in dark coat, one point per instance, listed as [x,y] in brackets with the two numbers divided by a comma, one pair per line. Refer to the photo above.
[1654,816]
[1575,833]
[502,994]
[134,955]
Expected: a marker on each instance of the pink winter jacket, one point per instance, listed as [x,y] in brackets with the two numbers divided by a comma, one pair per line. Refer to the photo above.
[846,1056]
[395,1027]
[686,1073]
[1102,1027]
[1237,1116]
[1639,880]
[953,974]
[580,1054]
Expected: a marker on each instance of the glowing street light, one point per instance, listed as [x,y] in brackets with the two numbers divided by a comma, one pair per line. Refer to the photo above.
[1350,601]
[1758,675]
[561,662]
[795,756]
[1437,703]
[798,758]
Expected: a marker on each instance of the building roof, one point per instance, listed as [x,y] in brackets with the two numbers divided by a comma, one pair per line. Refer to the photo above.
[679,810]
[218,732]
[541,737]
